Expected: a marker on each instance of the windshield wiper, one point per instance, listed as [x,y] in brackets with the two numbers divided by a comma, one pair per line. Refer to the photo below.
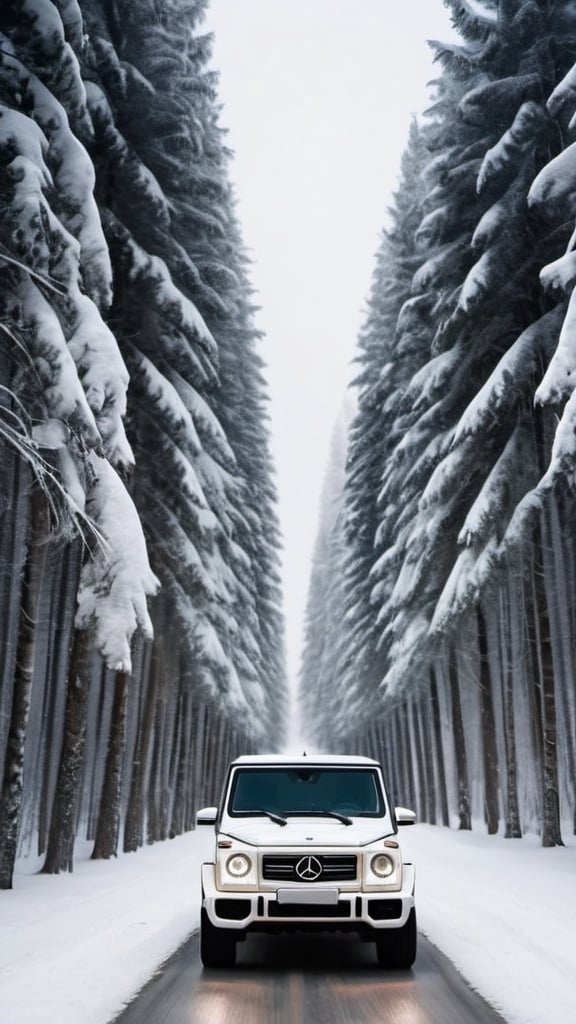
[273,817]
[320,811]
[335,814]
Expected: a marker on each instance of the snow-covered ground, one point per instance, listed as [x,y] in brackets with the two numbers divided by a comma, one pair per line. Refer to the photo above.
[75,948]
[504,911]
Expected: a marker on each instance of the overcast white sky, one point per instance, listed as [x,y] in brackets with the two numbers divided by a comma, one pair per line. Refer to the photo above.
[317,96]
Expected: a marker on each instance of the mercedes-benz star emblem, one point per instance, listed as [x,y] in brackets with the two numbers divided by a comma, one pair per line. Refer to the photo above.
[309,869]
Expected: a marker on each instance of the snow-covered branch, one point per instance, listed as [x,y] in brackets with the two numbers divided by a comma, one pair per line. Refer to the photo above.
[116,580]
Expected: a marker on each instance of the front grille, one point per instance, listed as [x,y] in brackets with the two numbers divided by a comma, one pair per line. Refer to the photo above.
[333,868]
[341,909]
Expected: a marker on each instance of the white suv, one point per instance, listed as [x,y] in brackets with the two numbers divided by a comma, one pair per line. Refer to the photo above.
[307,844]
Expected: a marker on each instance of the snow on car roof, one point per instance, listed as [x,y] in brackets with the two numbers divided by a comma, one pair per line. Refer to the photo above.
[303,759]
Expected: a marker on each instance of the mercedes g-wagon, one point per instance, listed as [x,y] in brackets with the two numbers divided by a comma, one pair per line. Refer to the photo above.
[307,844]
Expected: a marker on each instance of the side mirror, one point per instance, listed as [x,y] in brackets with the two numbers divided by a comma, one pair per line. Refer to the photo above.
[207,816]
[404,816]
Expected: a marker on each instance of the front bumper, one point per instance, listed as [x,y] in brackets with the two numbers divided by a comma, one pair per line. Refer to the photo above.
[306,906]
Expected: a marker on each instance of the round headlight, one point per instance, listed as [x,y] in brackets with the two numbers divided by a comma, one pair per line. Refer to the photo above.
[382,865]
[238,865]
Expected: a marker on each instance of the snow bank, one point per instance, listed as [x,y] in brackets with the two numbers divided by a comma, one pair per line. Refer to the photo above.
[504,911]
[75,948]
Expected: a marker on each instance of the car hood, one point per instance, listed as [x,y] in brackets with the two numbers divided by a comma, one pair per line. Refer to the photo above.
[306,831]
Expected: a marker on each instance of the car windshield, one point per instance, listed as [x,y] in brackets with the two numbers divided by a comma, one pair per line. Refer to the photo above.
[306,791]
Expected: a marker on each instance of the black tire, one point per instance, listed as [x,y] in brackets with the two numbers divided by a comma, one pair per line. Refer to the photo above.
[217,945]
[396,947]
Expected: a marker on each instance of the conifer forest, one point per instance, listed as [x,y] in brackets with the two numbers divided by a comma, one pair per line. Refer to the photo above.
[142,633]
[141,630]
[441,619]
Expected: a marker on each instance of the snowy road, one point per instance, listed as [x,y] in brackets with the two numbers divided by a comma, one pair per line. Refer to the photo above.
[308,980]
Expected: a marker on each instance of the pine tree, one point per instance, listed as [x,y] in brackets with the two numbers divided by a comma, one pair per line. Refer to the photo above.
[374,431]
[322,632]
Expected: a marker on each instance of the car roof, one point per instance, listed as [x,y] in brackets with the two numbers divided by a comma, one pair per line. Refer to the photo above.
[276,760]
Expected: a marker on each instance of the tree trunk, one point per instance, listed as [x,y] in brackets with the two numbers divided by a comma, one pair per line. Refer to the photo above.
[533,676]
[419,757]
[108,825]
[52,711]
[136,810]
[181,767]
[173,759]
[408,763]
[62,833]
[193,792]
[441,771]
[551,834]
[14,542]
[98,727]
[489,748]
[169,755]
[401,795]
[560,596]
[11,793]
[513,829]
[217,762]
[428,759]
[207,744]
[464,815]
[153,824]
[199,757]
[543,656]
